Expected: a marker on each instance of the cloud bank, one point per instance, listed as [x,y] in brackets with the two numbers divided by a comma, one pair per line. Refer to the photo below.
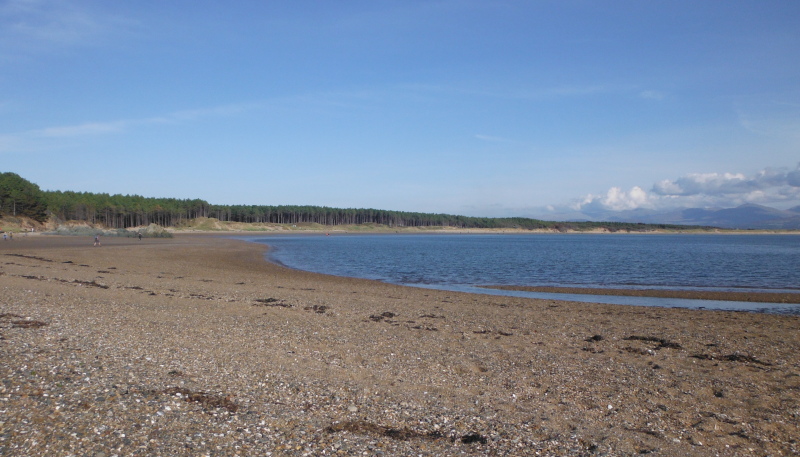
[705,190]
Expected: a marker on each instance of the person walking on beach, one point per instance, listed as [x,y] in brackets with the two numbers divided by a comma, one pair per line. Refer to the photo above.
[97,240]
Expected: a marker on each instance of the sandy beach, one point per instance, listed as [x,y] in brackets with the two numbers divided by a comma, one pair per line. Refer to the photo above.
[196,345]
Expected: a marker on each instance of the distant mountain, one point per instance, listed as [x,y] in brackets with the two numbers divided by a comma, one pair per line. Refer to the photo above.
[746,216]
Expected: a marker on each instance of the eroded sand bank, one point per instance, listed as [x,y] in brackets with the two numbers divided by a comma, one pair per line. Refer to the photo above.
[196,346]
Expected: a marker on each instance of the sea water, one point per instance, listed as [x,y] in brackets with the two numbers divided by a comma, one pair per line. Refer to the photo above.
[464,262]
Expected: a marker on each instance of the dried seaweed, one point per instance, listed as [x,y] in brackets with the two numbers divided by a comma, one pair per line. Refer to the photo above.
[271,302]
[382,316]
[735,357]
[208,401]
[30,257]
[28,324]
[662,343]
[402,434]
[319,309]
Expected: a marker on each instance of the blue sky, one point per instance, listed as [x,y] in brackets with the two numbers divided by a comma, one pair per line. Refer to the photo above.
[483,108]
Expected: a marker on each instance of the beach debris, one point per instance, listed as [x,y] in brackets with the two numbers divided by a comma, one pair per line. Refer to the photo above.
[638,351]
[40,278]
[489,332]
[662,343]
[28,324]
[18,321]
[735,357]
[91,283]
[473,437]
[9,315]
[423,327]
[319,309]
[31,257]
[592,348]
[644,430]
[702,356]
[382,316]
[79,282]
[208,401]
[361,427]
[271,302]
[201,296]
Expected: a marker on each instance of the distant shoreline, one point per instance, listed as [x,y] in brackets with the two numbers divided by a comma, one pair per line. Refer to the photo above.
[214,226]
[362,230]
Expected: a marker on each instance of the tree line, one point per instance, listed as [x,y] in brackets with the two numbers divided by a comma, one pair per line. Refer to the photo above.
[19,197]
[123,211]
[323,215]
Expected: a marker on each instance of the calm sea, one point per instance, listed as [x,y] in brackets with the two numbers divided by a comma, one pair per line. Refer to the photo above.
[464,262]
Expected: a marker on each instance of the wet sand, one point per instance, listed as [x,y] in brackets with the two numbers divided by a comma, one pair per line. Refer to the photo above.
[755,297]
[197,346]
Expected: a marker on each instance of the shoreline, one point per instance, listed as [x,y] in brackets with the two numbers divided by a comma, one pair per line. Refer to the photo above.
[754,297]
[698,294]
[212,226]
[457,231]
[198,345]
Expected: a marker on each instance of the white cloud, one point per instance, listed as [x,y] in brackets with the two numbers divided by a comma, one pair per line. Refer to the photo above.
[704,183]
[27,140]
[652,95]
[728,184]
[91,128]
[616,199]
[768,186]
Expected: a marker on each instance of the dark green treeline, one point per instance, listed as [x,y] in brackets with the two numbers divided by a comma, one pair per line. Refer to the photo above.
[19,197]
